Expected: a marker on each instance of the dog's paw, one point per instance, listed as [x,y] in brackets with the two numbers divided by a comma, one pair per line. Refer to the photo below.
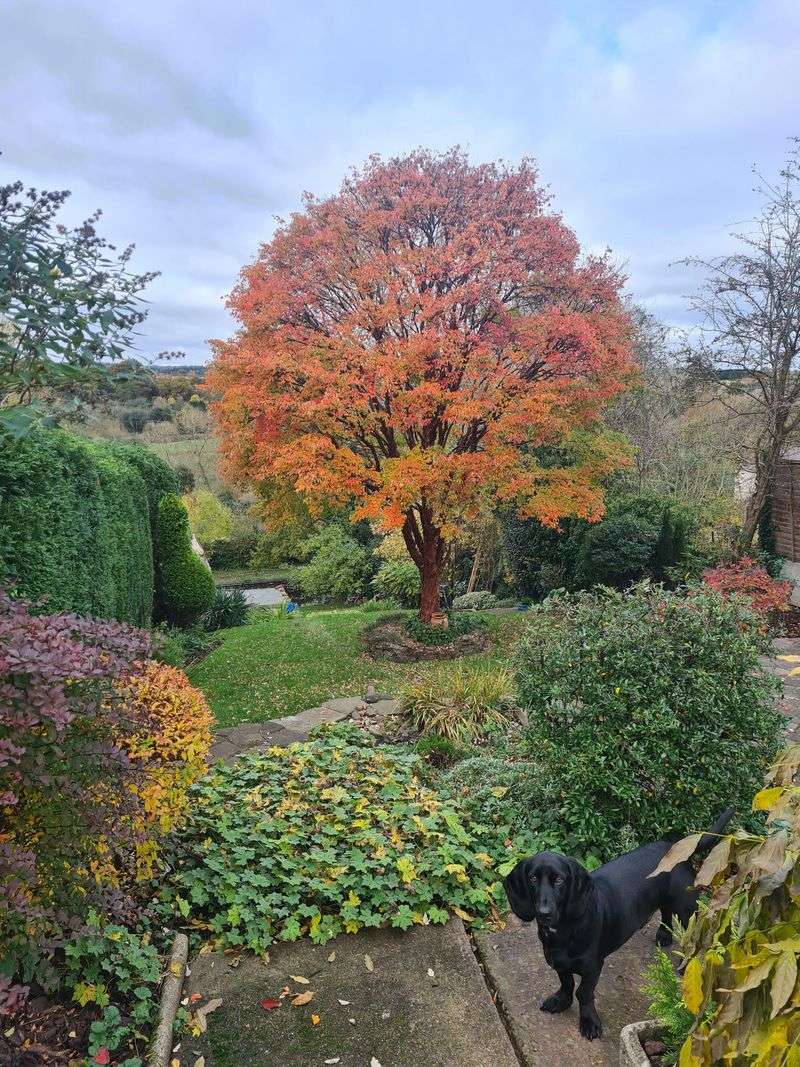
[663,937]
[556,1002]
[590,1027]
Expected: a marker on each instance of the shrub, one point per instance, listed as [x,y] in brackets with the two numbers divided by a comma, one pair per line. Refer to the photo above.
[650,711]
[209,519]
[179,648]
[185,478]
[663,986]
[338,566]
[616,552]
[326,837]
[238,550]
[480,600]
[74,525]
[172,744]
[187,585]
[398,579]
[740,982]
[457,702]
[458,624]
[134,420]
[67,788]
[228,608]
[747,579]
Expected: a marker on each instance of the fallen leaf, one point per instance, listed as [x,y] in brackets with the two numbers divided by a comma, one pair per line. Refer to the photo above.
[193,999]
[374,1062]
[333,1059]
[299,978]
[200,1062]
[315,1020]
[208,1008]
[102,1055]
[331,958]
[284,992]
[385,1014]
[302,998]
[368,963]
[431,972]
[344,1003]
[175,1063]
[352,1021]
[269,1003]
[185,1001]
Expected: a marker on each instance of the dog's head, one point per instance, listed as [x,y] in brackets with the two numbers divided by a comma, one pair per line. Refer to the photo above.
[548,887]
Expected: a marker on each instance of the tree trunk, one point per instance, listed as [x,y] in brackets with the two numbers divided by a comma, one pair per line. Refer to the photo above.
[766,464]
[473,577]
[427,549]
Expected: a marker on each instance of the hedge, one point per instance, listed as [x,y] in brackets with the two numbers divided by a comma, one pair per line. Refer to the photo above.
[186,582]
[77,521]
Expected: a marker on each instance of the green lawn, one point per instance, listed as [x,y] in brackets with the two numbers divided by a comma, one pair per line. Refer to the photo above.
[266,575]
[278,665]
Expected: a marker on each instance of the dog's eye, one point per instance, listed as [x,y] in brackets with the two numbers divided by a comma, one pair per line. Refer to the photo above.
[559,880]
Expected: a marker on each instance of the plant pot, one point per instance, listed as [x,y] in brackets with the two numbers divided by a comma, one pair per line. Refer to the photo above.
[631,1043]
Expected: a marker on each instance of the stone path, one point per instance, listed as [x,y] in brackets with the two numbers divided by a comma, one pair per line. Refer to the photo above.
[782,666]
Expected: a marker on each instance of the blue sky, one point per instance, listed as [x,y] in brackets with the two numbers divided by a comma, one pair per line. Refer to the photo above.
[194,123]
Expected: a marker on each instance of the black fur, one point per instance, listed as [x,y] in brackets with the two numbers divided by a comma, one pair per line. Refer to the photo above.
[583,917]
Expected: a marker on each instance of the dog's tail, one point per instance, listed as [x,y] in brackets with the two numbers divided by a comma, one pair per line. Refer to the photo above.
[708,840]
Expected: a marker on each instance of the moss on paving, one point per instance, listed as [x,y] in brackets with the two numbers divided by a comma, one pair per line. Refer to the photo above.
[278,665]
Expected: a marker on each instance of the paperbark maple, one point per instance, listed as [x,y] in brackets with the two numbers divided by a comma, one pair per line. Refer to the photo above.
[412,343]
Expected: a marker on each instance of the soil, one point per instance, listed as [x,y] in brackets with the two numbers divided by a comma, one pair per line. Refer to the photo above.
[46,1032]
[788,623]
[655,1050]
[390,640]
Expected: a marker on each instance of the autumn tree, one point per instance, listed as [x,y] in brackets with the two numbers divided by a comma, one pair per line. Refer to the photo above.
[416,343]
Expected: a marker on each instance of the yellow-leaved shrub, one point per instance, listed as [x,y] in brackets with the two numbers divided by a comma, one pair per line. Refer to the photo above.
[741,978]
[173,751]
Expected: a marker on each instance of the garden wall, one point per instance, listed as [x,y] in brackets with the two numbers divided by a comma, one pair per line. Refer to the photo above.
[77,522]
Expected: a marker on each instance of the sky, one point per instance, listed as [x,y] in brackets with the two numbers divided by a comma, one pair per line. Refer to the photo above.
[193,124]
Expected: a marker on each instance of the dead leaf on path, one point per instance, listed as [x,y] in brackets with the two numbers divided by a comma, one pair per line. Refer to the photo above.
[302,998]
[284,992]
[374,1062]
[352,1021]
[368,963]
[331,958]
[197,1019]
[300,979]
[193,999]
[344,1003]
[269,1003]
[315,1020]
[431,972]
[334,1059]
[200,1062]
[789,659]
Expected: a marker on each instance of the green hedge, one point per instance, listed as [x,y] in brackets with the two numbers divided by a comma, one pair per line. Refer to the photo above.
[186,582]
[76,523]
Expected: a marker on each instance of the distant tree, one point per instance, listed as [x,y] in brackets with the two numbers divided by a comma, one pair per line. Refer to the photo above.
[68,303]
[750,311]
[407,344]
[209,519]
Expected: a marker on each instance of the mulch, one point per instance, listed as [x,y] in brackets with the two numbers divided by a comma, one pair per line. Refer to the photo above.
[46,1032]
[391,641]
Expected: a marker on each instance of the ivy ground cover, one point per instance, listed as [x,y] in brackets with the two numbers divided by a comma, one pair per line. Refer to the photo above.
[327,837]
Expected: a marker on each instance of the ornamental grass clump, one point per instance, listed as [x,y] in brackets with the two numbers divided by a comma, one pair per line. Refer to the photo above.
[649,711]
[458,702]
[327,837]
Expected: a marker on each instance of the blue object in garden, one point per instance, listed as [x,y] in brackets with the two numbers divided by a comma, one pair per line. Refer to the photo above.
[291,608]
[521,607]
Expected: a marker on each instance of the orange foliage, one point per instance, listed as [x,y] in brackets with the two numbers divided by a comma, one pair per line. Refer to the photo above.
[409,343]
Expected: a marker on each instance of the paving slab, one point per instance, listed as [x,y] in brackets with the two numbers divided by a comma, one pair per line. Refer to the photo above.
[516,968]
[397,1013]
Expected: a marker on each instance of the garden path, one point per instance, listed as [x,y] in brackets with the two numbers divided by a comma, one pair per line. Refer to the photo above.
[785,659]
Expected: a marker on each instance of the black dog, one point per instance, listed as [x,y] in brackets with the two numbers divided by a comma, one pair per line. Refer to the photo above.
[583,917]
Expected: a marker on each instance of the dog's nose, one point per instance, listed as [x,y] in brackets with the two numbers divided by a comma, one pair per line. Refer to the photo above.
[545,912]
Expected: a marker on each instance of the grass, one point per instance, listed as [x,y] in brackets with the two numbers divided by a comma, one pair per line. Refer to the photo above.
[278,665]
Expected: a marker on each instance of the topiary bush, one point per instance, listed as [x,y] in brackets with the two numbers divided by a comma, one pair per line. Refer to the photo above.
[228,608]
[740,988]
[398,579]
[338,567]
[328,837]
[649,711]
[209,519]
[186,583]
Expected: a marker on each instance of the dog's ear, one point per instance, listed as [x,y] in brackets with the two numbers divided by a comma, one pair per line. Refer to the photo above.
[579,882]
[518,891]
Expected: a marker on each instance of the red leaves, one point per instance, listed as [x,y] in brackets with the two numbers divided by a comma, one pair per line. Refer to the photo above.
[402,339]
[102,1056]
[748,579]
[269,1003]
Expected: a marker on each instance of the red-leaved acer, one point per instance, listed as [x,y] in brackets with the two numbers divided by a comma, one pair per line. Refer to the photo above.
[419,341]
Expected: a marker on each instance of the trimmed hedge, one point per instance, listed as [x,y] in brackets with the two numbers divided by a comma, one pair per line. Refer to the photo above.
[77,521]
[186,583]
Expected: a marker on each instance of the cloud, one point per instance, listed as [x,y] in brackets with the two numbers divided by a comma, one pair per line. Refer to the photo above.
[193,123]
